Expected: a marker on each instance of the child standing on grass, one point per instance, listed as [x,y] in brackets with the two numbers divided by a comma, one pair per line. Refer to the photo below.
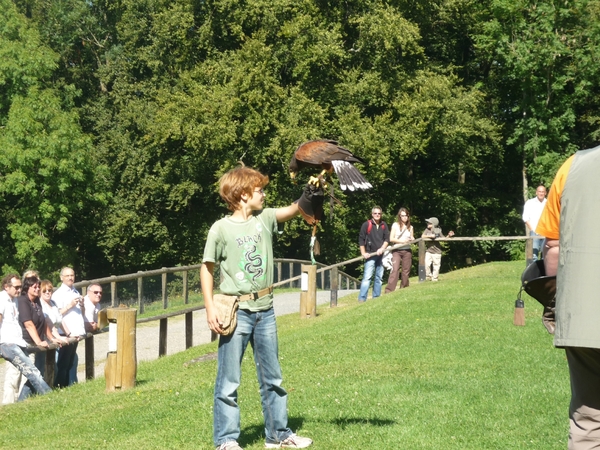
[433,254]
[243,244]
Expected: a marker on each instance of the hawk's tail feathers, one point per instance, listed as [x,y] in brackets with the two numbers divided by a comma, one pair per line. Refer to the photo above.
[349,176]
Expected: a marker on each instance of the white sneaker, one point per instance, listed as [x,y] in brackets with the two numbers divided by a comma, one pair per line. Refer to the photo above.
[229,445]
[292,441]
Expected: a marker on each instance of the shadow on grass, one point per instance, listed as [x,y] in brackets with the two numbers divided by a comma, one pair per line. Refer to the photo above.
[251,435]
[344,422]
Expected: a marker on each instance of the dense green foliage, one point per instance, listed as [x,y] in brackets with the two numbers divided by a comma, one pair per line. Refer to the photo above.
[118,117]
[437,366]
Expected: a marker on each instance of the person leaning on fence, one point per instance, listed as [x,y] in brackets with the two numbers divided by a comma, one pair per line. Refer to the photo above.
[373,239]
[91,307]
[243,244]
[572,253]
[433,254]
[401,233]
[36,330]
[52,313]
[68,299]
[13,347]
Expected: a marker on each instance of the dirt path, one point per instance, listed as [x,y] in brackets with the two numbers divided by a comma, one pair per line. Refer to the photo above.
[147,334]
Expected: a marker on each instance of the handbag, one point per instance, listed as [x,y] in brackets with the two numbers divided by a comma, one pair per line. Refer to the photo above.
[226,306]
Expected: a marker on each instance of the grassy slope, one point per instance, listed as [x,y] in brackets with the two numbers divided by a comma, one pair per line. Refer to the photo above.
[435,366]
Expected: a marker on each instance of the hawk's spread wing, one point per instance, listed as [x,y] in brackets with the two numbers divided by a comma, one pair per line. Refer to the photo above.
[328,155]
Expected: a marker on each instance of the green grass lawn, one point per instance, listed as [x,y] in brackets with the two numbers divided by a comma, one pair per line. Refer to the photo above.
[435,366]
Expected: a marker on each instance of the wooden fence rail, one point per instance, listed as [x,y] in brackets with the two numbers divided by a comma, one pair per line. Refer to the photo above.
[336,278]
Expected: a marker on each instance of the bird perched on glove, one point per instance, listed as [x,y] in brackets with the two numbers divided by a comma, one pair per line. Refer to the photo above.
[329,157]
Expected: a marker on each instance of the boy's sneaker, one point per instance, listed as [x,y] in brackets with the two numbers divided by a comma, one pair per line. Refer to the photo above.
[292,441]
[229,445]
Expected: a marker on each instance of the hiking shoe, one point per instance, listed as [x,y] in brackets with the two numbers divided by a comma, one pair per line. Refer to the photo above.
[229,445]
[292,441]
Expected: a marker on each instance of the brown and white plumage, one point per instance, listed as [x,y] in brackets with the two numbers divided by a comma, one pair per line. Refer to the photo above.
[330,157]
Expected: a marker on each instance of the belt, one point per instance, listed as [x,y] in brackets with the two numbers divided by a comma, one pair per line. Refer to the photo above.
[255,295]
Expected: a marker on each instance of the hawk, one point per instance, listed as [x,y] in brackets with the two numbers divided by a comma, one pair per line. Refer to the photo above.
[329,156]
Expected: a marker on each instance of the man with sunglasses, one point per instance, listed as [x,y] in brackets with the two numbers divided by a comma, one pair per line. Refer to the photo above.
[12,344]
[91,307]
[373,239]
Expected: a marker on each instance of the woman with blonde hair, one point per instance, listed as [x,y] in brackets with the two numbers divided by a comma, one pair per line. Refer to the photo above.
[401,233]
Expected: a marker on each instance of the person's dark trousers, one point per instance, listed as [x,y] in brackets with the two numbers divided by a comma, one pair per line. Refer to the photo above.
[584,410]
[401,260]
[64,362]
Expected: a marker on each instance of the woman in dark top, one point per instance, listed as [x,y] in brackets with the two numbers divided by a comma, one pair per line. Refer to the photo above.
[33,322]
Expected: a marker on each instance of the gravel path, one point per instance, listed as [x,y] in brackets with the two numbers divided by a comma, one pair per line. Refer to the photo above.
[147,334]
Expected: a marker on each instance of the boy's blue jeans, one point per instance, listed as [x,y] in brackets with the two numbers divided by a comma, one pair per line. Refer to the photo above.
[373,264]
[260,330]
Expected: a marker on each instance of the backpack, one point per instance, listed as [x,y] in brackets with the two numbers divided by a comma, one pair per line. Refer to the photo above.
[370,226]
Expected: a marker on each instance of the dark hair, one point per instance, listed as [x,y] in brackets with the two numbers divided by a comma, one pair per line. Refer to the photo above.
[8,279]
[400,211]
[28,282]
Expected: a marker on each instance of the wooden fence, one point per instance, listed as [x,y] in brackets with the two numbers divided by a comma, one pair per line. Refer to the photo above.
[329,277]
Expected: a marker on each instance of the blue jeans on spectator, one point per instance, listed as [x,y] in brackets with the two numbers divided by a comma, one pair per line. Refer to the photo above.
[18,358]
[373,264]
[260,330]
[64,362]
[537,245]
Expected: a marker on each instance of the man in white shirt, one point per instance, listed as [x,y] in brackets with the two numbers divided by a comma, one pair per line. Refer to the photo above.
[12,344]
[91,306]
[69,301]
[531,216]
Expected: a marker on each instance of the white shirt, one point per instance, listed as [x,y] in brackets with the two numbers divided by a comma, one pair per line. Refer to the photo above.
[91,310]
[10,329]
[52,312]
[533,211]
[73,318]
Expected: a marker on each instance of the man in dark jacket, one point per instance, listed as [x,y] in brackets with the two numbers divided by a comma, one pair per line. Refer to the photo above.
[374,237]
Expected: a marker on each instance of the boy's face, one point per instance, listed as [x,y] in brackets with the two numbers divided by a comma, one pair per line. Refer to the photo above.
[257,200]
[429,225]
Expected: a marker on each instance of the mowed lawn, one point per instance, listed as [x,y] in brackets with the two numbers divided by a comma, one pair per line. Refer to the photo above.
[435,366]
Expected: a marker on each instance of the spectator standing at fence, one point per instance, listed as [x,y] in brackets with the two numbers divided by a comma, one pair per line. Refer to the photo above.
[531,216]
[12,345]
[401,233]
[243,244]
[35,328]
[91,307]
[433,254]
[11,285]
[572,252]
[373,239]
[51,311]
[68,299]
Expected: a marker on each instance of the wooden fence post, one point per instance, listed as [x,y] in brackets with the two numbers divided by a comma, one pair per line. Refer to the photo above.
[121,362]
[140,283]
[529,251]
[308,293]
[164,290]
[89,358]
[113,293]
[333,285]
[185,287]
[422,272]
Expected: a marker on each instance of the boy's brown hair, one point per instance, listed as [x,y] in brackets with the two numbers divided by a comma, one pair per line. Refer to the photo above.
[236,182]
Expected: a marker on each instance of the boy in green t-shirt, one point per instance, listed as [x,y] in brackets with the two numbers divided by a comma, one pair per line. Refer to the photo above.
[243,244]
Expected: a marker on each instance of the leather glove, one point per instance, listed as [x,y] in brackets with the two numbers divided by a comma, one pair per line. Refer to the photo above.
[310,204]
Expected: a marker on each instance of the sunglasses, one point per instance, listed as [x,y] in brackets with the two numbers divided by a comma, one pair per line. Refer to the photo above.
[45,291]
[17,287]
[97,292]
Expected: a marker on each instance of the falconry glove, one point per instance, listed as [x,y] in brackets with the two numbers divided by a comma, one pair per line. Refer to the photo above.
[310,204]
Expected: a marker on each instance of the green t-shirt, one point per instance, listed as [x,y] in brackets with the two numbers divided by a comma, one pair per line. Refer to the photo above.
[245,252]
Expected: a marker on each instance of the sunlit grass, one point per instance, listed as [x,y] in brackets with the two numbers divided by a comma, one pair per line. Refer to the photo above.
[435,366]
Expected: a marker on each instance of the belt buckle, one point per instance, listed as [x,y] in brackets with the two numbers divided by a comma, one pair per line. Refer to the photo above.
[254,295]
